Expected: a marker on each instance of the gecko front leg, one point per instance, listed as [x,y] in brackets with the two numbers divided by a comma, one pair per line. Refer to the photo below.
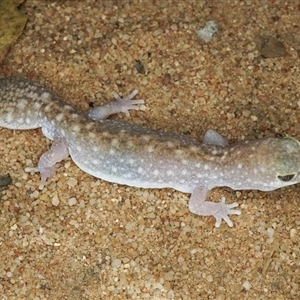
[115,106]
[199,206]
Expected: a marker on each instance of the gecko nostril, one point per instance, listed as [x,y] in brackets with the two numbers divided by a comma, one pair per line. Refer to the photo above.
[288,177]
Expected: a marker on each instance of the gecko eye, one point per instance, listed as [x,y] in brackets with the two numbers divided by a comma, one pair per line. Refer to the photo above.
[288,177]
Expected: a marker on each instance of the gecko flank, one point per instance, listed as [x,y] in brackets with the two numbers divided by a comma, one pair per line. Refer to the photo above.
[133,155]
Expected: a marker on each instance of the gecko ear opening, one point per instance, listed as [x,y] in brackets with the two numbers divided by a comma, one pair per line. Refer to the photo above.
[286,178]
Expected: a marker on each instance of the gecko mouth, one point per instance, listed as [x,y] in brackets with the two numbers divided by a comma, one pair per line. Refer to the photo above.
[286,178]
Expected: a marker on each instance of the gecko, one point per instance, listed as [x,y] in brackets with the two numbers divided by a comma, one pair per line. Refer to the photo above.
[133,155]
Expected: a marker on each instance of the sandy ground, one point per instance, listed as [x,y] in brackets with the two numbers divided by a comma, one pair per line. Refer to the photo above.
[84,238]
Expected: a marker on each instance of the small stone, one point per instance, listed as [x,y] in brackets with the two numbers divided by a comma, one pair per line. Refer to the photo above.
[157,32]
[72,182]
[246,113]
[116,263]
[72,201]
[270,232]
[247,285]
[206,33]
[270,47]
[293,235]
[55,201]
[23,219]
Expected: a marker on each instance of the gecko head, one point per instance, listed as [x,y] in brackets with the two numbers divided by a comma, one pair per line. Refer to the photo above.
[284,160]
[266,164]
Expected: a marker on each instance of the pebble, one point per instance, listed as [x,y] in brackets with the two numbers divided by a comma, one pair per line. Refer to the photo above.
[72,201]
[55,200]
[270,47]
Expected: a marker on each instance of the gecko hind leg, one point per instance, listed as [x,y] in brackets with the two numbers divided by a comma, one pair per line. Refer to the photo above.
[46,164]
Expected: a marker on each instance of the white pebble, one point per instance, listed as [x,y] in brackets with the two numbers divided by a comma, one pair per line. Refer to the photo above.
[9,274]
[293,235]
[270,232]
[247,285]
[72,182]
[72,201]
[55,200]
[206,33]
[116,263]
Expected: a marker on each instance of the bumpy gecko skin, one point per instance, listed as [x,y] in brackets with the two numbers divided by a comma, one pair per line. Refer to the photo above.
[137,156]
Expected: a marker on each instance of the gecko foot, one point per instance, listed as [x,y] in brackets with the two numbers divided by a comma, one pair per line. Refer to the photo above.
[222,211]
[125,104]
[45,174]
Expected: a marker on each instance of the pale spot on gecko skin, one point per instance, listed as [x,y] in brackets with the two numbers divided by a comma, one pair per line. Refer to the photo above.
[89,125]
[178,152]
[59,117]
[112,151]
[150,149]
[193,148]
[131,161]
[184,161]
[76,128]
[95,148]
[33,95]
[95,161]
[114,142]
[21,105]
[155,172]
[48,108]
[140,170]
[184,172]
[240,166]
[170,172]
[122,132]
[44,96]
[9,118]
[37,105]
[62,132]
[74,115]
[145,137]
[206,167]
[129,144]
[92,135]
[68,107]
[170,144]
[198,165]
[114,169]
